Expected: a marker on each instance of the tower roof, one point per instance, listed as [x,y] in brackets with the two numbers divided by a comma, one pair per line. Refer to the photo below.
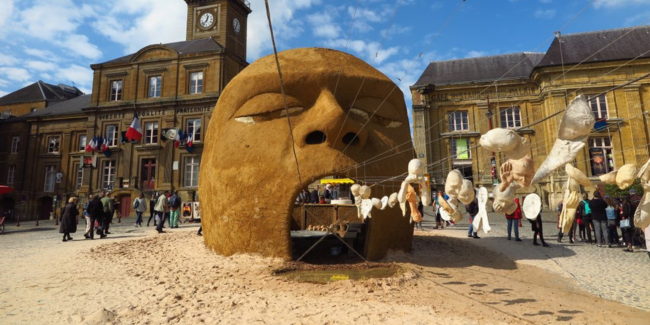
[40,91]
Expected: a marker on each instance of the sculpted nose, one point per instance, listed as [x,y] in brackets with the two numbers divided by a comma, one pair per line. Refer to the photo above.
[327,123]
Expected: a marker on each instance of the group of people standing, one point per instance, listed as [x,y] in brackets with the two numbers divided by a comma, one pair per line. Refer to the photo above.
[315,197]
[98,212]
[163,207]
[604,218]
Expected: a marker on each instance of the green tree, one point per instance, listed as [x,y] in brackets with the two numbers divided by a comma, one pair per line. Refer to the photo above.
[613,191]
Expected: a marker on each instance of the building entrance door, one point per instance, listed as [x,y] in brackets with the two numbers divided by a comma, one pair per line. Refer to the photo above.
[125,205]
[148,174]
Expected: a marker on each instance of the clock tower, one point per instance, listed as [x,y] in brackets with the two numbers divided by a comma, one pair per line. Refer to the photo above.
[223,20]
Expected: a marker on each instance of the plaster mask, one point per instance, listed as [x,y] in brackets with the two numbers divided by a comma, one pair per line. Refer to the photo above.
[577,175]
[392,200]
[520,151]
[504,201]
[532,206]
[625,176]
[453,183]
[500,140]
[466,194]
[384,202]
[342,110]
[416,169]
[366,208]
[376,203]
[642,213]
[365,192]
[355,189]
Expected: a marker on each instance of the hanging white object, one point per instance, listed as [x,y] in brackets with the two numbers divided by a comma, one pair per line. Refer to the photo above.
[357,198]
[402,206]
[376,203]
[625,176]
[642,213]
[504,201]
[453,183]
[644,172]
[506,141]
[532,206]
[575,126]
[577,175]
[571,202]
[365,191]
[384,203]
[609,178]
[366,208]
[415,176]
[481,218]
[392,200]
[466,194]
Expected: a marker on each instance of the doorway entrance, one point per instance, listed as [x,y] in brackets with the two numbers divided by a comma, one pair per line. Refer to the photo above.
[125,206]
[44,207]
[148,174]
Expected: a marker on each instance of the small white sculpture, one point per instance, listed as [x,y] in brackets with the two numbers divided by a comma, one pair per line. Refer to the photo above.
[392,200]
[466,194]
[481,218]
[506,141]
[532,206]
[625,176]
[575,126]
[355,189]
[609,178]
[415,176]
[571,202]
[642,213]
[413,200]
[449,209]
[644,172]
[376,203]
[577,175]
[365,192]
[384,202]
[366,208]
[453,183]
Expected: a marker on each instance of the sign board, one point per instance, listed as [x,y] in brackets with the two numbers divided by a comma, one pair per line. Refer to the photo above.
[126,183]
[175,165]
[89,161]
[196,210]
[186,210]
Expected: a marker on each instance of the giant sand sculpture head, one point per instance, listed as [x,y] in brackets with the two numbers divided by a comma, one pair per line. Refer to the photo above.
[342,111]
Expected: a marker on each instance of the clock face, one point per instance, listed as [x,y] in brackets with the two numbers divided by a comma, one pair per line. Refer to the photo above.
[206,20]
[236,25]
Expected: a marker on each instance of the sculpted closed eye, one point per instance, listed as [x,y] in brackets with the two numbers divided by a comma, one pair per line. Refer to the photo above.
[269,115]
[363,116]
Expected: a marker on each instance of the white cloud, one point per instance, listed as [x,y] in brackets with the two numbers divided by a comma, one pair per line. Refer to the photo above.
[75,74]
[15,74]
[6,12]
[323,25]
[369,51]
[544,14]
[637,19]
[40,65]
[41,54]
[618,3]
[2,93]
[7,60]
[81,45]
[476,54]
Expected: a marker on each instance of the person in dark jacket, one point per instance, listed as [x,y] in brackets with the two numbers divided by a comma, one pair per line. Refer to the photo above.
[472,209]
[314,196]
[69,219]
[96,212]
[598,208]
[538,230]
[627,213]
[585,213]
[152,204]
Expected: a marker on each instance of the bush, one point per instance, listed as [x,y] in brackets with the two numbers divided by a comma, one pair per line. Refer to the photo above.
[613,191]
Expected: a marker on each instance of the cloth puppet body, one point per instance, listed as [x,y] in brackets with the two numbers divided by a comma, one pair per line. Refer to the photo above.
[532,206]
[575,126]
[504,201]
[642,213]
[481,219]
[449,209]
[577,175]
[571,202]
[609,178]
[384,202]
[357,198]
[392,200]
[366,201]
[415,176]
[466,194]
[454,183]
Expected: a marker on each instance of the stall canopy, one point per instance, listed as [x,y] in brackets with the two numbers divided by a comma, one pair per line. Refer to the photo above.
[336,181]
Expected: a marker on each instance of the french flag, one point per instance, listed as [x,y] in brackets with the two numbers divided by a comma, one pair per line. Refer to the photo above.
[134,133]
[104,147]
[180,136]
[91,145]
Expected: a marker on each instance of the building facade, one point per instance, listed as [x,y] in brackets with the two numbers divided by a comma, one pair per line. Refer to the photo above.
[456,101]
[171,86]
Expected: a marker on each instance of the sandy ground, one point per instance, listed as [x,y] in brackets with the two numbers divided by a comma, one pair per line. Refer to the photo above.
[145,278]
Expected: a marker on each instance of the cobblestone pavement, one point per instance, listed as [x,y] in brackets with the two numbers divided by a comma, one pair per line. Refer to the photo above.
[608,273]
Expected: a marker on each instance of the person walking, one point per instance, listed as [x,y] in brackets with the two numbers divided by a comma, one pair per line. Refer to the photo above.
[152,204]
[86,215]
[140,206]
[538,230]
[598,208]
[96,213]
[174,208]
[314,196]
[612,219]
[585,212]
[107,204]
[161,206]
[627,223]
[514,221]
[472,209]
[69,219]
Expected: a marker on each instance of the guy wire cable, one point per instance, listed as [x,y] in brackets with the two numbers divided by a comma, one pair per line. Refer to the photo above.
[284,95]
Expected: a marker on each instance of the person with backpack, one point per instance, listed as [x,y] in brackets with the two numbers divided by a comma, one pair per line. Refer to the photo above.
[174,205]
[585,212]
[598,208]
[140,206]
[612,218]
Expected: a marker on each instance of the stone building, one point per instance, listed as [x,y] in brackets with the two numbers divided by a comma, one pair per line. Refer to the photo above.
[34,97]
[456,101]
[169,86]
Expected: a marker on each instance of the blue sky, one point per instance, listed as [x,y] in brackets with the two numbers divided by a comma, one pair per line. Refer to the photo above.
[57,40]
